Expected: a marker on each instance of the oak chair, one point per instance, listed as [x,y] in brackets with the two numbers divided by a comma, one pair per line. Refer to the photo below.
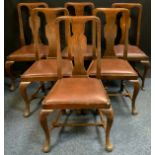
[113,68]
[134,53]
[79,8]
[44,69]
[79,91]
[26,52]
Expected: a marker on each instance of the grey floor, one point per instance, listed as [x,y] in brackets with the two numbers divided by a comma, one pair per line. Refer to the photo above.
[130,135]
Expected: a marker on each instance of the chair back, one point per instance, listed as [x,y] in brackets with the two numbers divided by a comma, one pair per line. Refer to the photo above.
[29,7]
[130,6]
[79,7]
[78,42]
[110,28]
[50,15]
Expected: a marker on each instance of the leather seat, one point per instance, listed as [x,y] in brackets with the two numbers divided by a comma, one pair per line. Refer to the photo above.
[113,67]
[77,93]
[133,53]
[87,55]
[47,68]
[27,53]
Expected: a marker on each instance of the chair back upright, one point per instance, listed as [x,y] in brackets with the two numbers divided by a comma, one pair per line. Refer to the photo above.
[130,6]
[110,29]
[29,7]
[50,15]
[78,42]
[79,7]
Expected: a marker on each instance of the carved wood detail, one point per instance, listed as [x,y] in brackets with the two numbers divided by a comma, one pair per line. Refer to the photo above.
[29,6]
[78,41]
[130,6]
[110,28]
[79,7]
[50,28]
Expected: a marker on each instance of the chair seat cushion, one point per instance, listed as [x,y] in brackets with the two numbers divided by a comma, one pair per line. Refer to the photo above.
[113,67]
[87,55]
[133,53]
[27,53]
[47,68]
[77,93]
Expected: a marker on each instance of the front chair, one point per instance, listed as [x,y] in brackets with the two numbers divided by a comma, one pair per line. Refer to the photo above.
[79,91]
[26,52]
[44,69]
[134,53]
[80,11]
[113,68]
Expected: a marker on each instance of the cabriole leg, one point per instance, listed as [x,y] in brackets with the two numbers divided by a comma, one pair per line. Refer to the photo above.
[135,93]
[44,125]
[8,65]
[109,115]
[146,67]
[122,86]
[23,91]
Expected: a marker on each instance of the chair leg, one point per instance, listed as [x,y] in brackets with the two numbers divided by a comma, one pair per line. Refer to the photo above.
[146,67]
[122,86]
[43,86]
[44,125]
[8,65]
[23,91]
[135,93]
[109,114]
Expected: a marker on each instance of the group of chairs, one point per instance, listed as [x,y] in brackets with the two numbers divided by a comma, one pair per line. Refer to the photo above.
[77,87]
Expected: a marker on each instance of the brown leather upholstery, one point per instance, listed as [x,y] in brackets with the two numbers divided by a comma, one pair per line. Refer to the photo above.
[47,69]
[76,93]
[133,53]
[27,53]
[117,68]
[87,55]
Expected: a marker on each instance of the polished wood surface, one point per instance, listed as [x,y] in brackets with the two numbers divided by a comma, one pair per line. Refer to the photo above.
[29,6]
[110,29]
[78,41]
[79,8]
[130,6]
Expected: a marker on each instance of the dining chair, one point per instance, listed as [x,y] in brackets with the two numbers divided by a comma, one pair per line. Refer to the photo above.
[113,68]
[43,70]
[78,91]
[135,53]
[26,52]
[79,8]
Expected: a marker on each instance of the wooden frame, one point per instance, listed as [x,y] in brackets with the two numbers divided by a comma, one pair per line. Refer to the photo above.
[106,124]
[79,7]
[79,11]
